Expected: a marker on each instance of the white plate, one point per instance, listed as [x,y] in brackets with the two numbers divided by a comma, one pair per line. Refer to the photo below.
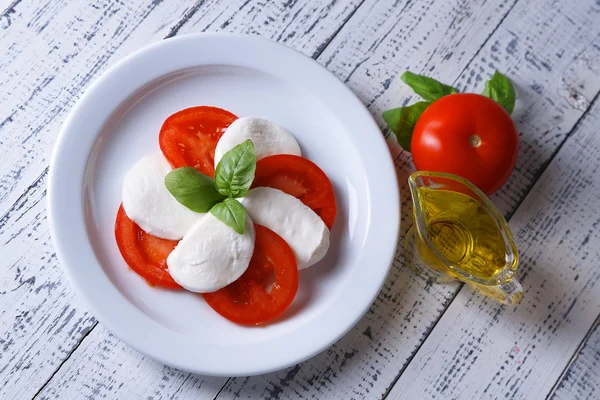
[117,122]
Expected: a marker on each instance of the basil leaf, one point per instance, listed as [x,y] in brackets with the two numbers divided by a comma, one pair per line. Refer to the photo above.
[193,189]
[235,172]
[500,89]
[427,88]
[402,121]
[232,213]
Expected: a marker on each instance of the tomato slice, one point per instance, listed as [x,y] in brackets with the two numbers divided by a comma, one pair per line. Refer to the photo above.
[300,178]
[189,137]
[248,300]
[144,253]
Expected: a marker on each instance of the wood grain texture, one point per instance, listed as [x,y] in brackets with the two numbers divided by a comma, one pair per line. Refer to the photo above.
[110,369]
[40,321]
[480,349]
[307,26]
[581,380]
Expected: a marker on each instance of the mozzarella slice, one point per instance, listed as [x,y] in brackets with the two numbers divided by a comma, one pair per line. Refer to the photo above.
[268,138]
[148,203]
[211,255]
[302,229]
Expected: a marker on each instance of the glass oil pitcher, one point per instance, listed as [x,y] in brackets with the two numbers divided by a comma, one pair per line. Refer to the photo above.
[459,234]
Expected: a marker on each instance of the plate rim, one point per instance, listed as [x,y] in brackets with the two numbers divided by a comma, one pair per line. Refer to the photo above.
[69,247]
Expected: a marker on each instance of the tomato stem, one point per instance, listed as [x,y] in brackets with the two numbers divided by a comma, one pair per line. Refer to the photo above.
[475,141]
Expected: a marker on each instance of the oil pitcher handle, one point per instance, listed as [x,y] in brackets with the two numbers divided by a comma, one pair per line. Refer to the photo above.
[510,292]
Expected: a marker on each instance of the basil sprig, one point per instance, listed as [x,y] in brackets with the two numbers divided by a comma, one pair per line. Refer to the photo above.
[428,88]
[233,177]
[500,89]
[402,120]
[193,189]
[235,172]
[232,213]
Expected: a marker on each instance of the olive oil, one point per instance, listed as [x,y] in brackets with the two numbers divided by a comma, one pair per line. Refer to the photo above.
[463,232]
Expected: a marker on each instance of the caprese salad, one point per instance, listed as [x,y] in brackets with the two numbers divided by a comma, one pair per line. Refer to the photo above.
[230,209]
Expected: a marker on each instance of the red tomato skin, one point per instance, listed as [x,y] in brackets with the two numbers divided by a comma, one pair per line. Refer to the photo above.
[145,254]
[301,178]
[189,137]
[469,135]
[246,301]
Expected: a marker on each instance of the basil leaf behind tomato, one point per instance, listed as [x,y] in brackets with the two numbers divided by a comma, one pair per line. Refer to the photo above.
[402,121]
[428,88]
[235,172]
[232,213]
[500,89]
[193,189]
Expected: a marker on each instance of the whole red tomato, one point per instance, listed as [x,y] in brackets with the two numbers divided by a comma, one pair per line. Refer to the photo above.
[467,135]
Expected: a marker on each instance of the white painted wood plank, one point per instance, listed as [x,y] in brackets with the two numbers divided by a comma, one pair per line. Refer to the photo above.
[369,53]
[100,364]
[480,349]
[7,11]
[581,380]
[40,321]
[307,26]
[110,369]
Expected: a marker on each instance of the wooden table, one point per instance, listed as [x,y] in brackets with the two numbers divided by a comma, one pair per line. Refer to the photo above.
[418,341]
